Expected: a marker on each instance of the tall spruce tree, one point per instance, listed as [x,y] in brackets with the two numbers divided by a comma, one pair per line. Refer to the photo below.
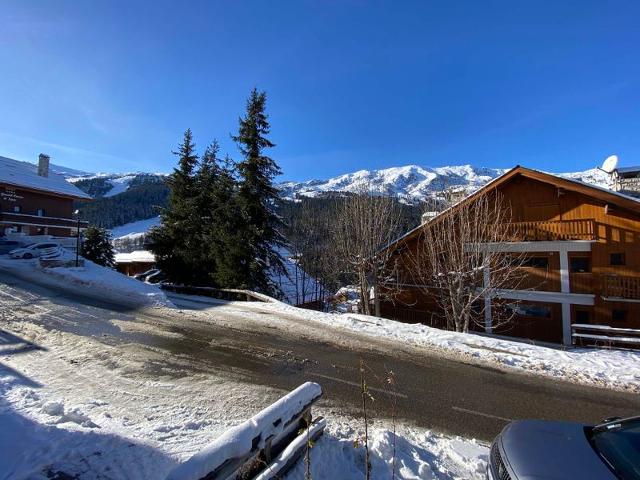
[175,242]
[214,204]
[97,247]
[258,199]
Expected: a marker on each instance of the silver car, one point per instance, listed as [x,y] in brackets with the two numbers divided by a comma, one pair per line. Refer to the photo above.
[35,250]
[544,450]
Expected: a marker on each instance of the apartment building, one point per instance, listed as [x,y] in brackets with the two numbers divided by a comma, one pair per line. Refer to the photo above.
[581,250]
[35,201]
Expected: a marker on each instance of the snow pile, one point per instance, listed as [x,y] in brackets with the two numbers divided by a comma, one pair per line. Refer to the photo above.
[617,369]
[418,454]
[346,299]
[239,441]
[90,280]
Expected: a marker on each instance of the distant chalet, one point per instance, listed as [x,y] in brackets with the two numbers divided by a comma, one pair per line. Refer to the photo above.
[35,201]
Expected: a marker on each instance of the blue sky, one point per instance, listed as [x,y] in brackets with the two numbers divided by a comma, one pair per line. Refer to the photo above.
[111,86]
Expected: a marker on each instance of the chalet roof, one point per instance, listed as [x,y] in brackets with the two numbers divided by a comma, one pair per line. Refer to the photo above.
[143,256]
[25,174]
[601,193]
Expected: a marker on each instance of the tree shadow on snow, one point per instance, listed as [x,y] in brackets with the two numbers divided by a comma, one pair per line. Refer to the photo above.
[62,444]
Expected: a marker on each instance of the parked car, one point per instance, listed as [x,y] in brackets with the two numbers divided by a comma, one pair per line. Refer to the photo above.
[7,245]
[35,250]
[142,276]
[537,449]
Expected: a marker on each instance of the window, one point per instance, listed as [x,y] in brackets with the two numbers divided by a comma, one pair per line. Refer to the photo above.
[536,262]
[582,316]
[40,212]
[17,209]
[617,259]
[618,315]
[530,310]
[580,265]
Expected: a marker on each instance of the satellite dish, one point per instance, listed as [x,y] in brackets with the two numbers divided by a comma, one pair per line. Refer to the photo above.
[610,164]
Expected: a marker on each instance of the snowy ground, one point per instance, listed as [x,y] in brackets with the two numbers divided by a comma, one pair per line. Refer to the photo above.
[91,279]
[74,404]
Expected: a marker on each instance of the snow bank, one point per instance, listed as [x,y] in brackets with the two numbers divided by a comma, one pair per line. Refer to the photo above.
[91,280]
[238,441]
[615,369]
[413,454]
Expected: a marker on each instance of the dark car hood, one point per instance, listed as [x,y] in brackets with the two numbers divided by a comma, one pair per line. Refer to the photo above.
[536,450]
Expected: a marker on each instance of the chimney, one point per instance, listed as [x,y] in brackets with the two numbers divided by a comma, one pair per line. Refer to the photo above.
[43,165]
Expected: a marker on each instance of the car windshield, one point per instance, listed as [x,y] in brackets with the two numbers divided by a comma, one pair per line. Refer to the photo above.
[618,443]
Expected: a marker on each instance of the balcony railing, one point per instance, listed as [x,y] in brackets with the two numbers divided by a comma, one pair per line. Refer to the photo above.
[25,219]
[620,286]
[553,230]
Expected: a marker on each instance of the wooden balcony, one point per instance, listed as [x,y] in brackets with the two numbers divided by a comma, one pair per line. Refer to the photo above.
[584,229]
[26,219]
[620,287]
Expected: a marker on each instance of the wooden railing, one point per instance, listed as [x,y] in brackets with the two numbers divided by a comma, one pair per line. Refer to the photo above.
[620,286]
[264,447]
[584,229]
[604,336]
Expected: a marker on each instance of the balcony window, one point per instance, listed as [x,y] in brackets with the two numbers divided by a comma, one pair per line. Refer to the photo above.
[617,259]
[40,212]
[536,262]
[580,265]
[530,310]
[17,209]
[618,315]
[582,316]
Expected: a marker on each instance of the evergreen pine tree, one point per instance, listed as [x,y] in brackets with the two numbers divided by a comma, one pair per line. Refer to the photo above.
[175,242]
[96,247]
[212,205]
[258,199]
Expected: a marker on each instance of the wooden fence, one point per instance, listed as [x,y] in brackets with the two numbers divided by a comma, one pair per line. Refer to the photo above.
[620,286]
[604,336]
[230,294]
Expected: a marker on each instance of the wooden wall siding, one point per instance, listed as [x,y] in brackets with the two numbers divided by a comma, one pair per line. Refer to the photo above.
[616,230]
[54,206]
[30,202]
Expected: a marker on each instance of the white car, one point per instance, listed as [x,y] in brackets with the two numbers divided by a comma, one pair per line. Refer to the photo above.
[36,250]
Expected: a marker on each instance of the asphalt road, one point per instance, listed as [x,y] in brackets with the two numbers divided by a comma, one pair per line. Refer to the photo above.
[248,343]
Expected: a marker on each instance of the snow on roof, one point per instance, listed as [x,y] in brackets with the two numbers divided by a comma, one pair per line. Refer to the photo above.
[25,174]
[144,256]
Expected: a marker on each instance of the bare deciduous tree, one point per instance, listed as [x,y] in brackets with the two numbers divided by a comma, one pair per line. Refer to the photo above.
[453,264]
[365,223]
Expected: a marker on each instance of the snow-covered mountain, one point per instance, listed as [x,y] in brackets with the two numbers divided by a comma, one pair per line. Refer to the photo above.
[411,183]
[415,183]
[110,184]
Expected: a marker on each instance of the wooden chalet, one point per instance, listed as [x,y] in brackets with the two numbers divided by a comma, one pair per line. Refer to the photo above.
[35,201]
[582,249]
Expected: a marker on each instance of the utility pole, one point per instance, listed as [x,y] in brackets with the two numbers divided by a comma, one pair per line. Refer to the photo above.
[77,214]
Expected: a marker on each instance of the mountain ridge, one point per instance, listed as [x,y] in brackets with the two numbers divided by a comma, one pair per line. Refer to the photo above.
[411,183]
